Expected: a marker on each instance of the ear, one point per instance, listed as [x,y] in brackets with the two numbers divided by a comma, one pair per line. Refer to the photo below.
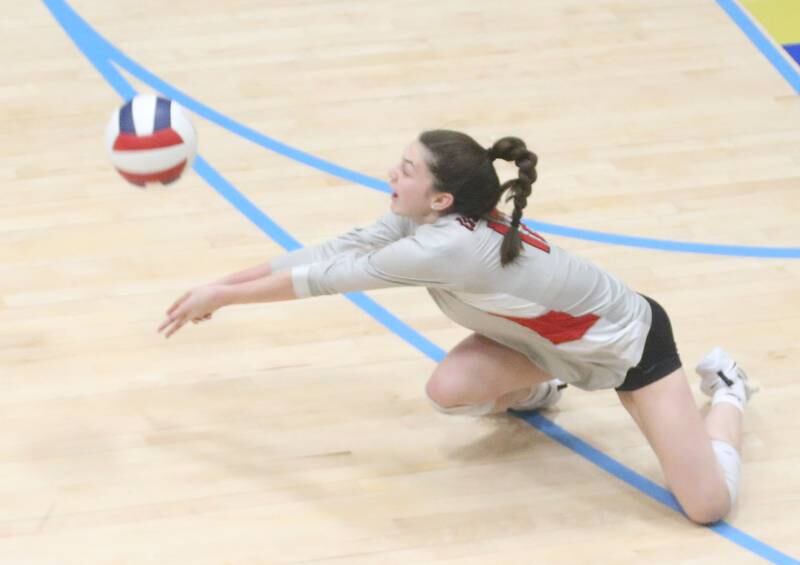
[442,201]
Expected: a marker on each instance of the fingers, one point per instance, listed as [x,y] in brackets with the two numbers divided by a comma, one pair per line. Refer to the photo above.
[182,311]
[177,303]
[175,327]
[172,324]
[176,320]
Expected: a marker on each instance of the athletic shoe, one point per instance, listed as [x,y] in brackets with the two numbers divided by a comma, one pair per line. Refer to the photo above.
[718,370]
[544,395]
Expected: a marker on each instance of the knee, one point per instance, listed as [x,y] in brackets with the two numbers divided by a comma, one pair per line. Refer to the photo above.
[444,392]
[718,501]
[449,397]
[709,510]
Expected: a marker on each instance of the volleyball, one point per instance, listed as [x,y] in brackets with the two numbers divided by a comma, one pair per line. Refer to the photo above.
[151,140]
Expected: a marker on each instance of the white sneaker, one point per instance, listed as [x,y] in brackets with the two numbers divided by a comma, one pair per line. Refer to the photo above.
[544,395]
[718,369]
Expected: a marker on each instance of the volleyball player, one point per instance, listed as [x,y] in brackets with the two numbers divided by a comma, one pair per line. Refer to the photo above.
[540,315]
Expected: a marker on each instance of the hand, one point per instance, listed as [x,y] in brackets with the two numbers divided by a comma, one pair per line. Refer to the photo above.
[197,305]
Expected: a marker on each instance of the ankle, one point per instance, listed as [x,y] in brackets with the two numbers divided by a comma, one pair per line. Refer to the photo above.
[735,395]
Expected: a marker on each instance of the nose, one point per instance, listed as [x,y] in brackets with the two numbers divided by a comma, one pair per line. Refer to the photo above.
[392,174]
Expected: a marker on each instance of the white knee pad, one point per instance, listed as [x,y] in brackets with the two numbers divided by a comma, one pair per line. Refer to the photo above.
[468,410]
[731,464]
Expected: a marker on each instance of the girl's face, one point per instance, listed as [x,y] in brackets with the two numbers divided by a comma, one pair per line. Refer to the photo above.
[412,187]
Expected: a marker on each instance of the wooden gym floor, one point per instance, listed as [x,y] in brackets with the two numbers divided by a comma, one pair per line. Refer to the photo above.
[299,432]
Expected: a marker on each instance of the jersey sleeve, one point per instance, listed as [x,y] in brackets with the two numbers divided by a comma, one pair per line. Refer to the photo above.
[357,242]
[417,260]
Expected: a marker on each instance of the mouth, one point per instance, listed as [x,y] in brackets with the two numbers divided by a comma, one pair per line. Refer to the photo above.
[394,196]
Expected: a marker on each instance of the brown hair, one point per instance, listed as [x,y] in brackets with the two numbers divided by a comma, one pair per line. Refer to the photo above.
[464,169]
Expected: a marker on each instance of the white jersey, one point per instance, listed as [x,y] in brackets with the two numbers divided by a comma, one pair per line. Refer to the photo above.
[571,318]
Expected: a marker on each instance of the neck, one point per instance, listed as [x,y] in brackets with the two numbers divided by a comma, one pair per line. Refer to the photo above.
[429,218]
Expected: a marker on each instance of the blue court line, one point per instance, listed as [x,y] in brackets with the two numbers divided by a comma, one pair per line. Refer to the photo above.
[93,51]
[648,487]
[383,316]
[289,243]
[665,244]
[109,52]
[764,43]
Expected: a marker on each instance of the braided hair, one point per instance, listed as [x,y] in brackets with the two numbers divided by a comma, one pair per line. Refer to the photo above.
[463,168]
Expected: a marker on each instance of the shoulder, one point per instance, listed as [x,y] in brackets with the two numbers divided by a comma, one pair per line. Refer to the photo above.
[447,234]
[451,226]
[401,224]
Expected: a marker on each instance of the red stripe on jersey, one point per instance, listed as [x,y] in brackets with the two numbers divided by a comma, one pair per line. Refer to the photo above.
[164,177]
[525,234]
[468,223]
[164,138]
[557,327]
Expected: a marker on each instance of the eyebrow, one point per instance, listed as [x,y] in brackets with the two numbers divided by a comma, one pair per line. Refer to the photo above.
[408,161]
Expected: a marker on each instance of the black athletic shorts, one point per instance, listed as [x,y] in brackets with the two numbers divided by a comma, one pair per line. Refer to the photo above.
[660,357]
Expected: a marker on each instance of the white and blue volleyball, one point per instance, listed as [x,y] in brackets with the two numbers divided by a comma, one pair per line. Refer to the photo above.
[151,140]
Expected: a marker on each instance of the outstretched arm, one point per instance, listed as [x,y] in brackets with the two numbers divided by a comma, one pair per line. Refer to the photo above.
[200,303]
[253,273]
[427,259]
[386,230]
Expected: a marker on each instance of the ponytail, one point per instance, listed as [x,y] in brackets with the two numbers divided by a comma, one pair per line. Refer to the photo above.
[463,168]
[514,149]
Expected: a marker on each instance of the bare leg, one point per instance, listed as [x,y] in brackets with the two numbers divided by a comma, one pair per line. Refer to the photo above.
[667,415]
[627,401]
[722,422]
[478,371]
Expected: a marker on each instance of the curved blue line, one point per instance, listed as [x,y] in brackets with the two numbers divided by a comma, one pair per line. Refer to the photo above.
[109,51]
[62,13]
[665,244]
[434,352]
[289,243]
